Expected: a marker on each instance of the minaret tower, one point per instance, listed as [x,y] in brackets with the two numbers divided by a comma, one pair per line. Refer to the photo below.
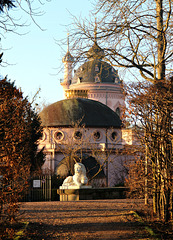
[68,62]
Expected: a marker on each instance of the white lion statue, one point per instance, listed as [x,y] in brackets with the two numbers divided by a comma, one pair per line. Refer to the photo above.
[79,178]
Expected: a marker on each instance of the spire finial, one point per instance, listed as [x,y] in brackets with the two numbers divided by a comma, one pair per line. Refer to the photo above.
[68,57]
[95,52]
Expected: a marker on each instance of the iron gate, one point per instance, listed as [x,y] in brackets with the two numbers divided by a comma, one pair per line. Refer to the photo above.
[39,189]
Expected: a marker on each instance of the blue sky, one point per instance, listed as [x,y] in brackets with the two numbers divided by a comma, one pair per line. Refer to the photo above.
[35,58]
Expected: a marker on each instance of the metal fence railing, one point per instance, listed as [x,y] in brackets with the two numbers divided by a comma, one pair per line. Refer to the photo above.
[39,189]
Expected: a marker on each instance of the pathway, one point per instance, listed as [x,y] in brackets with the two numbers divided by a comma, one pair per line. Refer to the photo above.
[92,220]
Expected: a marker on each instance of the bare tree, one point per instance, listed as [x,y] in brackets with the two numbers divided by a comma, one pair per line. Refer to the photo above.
[12,11]
[133,34]
[12,21]
[152,107]
[80,146]
[137,35]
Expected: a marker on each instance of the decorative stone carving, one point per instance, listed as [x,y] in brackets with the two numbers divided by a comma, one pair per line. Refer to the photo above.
[78,180]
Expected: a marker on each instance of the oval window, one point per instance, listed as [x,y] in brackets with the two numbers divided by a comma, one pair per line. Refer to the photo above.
[78,135]
[96,135]
[114,136]
[58,135]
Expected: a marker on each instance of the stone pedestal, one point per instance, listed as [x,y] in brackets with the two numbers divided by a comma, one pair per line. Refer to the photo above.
[89,193]
[73,193]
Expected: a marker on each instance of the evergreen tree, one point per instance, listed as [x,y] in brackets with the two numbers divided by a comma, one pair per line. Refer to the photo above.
[6,4]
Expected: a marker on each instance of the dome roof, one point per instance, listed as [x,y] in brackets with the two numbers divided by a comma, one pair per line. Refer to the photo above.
[85,111]
[96,71]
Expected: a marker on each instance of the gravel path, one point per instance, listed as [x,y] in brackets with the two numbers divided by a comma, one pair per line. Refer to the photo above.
[98,219]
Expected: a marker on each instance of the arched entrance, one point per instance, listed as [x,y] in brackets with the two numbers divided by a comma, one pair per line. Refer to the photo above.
[93,168]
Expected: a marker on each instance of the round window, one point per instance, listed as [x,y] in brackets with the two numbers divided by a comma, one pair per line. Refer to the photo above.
[96,135]
[78,135]
[58,135]
[114,136]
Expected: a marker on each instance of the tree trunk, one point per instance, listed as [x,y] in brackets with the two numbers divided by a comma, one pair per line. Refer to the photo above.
[161,41]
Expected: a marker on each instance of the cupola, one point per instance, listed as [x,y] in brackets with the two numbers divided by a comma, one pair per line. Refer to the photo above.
[68,60]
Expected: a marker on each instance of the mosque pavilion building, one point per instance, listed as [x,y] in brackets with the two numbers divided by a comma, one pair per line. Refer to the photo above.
[86,126]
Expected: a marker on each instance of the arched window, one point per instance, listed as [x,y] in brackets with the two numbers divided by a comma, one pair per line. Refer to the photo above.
[96,68]
[97,79]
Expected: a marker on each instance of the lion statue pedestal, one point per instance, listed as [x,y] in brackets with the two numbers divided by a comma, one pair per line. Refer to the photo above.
[74,187]
[78,180]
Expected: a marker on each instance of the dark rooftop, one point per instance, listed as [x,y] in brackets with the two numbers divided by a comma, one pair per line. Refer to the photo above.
[84,111]
[96,71]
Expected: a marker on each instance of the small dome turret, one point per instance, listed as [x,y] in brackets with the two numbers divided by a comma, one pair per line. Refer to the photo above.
[68,57]
[68,60]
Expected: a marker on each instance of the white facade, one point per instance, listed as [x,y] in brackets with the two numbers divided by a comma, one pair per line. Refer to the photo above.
[58,142]
[108,94]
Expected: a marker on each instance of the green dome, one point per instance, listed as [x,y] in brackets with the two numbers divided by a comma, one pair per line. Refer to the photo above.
[96,71]
[88,112]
